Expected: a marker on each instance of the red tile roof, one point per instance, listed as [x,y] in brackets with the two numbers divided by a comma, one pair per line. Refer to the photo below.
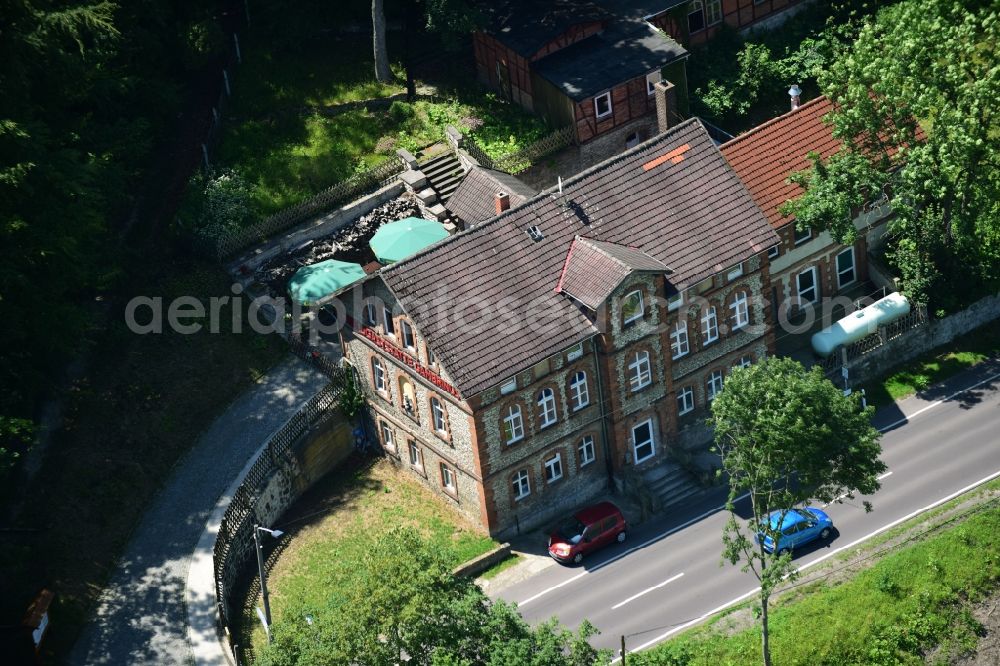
[485,299]
[768,154]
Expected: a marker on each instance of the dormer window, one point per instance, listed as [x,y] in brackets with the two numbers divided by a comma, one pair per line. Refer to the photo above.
[535,232]
[508,386]
[574,352]
[633,308]
[734,272]
[676,301]
[390,328]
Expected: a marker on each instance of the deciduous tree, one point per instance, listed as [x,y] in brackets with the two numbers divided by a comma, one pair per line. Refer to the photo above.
[787,437]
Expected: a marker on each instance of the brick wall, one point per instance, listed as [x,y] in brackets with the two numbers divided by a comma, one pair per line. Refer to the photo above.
[629,101]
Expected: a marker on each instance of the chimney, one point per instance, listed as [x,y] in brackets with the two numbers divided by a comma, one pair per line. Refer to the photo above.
[794,92]
[502,201]
[666,102]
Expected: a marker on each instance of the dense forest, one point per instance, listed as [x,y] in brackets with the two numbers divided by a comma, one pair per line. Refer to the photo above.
[91,97]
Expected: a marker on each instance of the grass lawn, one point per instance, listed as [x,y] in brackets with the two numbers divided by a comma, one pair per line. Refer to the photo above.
[332,526]
[280,134]
[912,601]
[140,407]
[937,365]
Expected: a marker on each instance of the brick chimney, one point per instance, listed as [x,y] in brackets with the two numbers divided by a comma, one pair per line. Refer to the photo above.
[502,201]
[666,104]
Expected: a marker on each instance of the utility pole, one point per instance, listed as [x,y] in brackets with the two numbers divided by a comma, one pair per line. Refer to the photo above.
[257,529]
[623,650]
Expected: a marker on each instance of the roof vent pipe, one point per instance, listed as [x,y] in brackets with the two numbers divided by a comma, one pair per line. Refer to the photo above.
[795,92]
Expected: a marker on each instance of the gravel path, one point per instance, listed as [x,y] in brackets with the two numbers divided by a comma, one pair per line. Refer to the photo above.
[141,618]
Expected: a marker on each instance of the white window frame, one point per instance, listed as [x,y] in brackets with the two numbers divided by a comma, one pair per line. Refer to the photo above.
[574,352]
[799,240]
[714,385]
[578,391]
[640,371]
[642,307]
[553,468]
[709,13]
[652,79]
[431,358]
[679,345]
[694,8]
[685,401]
[378,375]
[438,419]
[515,420]
[741,309]
[409,339]
[588,453]
[853,270]
[448,478]
[814,288]
[522,485]
[508,386]
[597,111]
[745,362]
[675,302]
[388,325]
[546,401]
[709,325]
[636,444]
[774,251]
[388,439]
[735,272]
[370,317]
[416,455]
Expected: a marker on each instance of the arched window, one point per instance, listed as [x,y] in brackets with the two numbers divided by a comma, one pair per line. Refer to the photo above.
[709,325]
[740,310]
[546,407]
[578,391]
[408,398]
[378,375]
[437,415]
[679,339]
[513,425]
[640,374]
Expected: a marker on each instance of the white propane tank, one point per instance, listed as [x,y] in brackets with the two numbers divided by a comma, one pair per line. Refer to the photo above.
[859,324]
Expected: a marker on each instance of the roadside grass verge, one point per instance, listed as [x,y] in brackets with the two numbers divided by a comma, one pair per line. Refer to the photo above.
[339,520]
[501,566]
[935,366]
[140,407]
[912,601]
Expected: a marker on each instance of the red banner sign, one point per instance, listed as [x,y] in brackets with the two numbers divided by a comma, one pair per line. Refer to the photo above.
[390,348]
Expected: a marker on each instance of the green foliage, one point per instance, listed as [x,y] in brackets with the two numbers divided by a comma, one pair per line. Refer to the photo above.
[787,437]
[225,202]
[921,68]
[352,399]
[892,613]
[16,437]
[403,599]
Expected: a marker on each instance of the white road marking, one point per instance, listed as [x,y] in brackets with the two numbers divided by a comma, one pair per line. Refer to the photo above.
[935,404]
[879,478]
[648,589]
[889,526]
[887,474]
[630,550]
[720,508]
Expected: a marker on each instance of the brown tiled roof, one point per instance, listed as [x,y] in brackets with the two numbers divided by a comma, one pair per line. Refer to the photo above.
[474,200]
[768,154]
[486,299]
[593,269]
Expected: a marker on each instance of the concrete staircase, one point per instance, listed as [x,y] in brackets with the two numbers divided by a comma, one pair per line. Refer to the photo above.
[672,484]
[444,174]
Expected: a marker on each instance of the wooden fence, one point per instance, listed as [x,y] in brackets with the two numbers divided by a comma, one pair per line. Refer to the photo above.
[222,247]
[516,162]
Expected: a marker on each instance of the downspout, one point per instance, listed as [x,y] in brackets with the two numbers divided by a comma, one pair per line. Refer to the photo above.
[604,416]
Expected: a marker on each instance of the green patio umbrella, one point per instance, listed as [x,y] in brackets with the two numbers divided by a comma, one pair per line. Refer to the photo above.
[311,283]
[398,240]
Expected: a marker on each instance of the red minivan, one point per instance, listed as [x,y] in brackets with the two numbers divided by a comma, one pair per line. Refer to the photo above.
[589,529]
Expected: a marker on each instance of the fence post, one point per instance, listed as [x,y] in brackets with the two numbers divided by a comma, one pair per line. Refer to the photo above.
[236,43]
[225,79]
[204,154]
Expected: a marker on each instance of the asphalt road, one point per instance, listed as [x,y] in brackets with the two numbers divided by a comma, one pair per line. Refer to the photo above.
[668,575]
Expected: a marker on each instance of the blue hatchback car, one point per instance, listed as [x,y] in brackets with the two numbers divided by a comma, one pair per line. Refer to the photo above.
[799,527]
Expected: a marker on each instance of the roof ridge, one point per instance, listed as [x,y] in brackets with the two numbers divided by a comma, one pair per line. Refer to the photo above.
[759,128]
